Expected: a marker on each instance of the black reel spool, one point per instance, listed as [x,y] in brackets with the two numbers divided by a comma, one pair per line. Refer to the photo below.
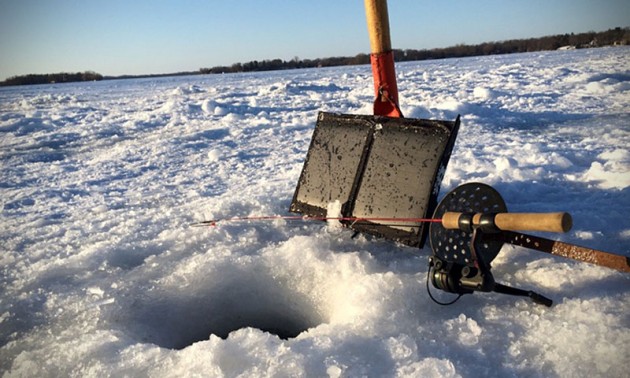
[461,258]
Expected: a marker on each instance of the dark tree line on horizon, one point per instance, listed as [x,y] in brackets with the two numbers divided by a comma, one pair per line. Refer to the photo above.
[616,36]
[62,77]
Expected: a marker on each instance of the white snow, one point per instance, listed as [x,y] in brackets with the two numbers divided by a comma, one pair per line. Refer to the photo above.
[333,211]
[102,275]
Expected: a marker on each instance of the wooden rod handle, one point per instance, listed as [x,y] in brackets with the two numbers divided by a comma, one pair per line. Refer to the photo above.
[378,26]
[548,222]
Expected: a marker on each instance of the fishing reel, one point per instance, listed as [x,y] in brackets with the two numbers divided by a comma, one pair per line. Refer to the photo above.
[465,243]
[457,278]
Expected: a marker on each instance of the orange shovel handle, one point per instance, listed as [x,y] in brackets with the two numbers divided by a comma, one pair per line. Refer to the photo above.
[382,59]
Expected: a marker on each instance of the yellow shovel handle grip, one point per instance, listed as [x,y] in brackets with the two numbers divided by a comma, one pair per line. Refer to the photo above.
[378,26]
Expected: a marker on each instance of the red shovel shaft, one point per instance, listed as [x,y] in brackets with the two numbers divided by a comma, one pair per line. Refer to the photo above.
[382,59]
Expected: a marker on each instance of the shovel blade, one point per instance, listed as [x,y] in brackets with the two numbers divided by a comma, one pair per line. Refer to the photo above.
[377,167]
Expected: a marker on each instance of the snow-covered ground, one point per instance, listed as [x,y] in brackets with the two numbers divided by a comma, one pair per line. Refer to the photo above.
[101,273]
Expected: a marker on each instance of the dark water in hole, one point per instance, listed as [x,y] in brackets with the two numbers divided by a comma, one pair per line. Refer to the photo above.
[240,298]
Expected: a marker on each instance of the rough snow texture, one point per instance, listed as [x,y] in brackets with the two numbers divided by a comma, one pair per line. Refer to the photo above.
[102,275]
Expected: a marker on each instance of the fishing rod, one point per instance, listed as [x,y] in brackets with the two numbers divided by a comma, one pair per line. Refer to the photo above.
[469,238]
[350,220]
[550,222]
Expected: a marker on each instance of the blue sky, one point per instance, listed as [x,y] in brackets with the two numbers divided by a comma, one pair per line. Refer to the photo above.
[115,37]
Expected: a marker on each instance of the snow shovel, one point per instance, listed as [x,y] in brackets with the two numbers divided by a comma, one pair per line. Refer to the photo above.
[381,165]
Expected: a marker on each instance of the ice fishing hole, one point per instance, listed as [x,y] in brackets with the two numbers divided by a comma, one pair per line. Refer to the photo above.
[230,299]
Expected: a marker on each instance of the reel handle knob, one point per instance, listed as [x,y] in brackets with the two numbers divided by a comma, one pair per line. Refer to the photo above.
[547,222]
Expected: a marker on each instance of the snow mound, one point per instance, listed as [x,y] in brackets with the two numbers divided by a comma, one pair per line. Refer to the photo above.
[613,172]
[483,93]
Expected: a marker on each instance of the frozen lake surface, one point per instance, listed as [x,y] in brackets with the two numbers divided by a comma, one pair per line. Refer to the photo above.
[101,273]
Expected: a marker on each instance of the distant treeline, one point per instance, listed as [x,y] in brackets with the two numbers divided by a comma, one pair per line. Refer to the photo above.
[617,36]
[62,77]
